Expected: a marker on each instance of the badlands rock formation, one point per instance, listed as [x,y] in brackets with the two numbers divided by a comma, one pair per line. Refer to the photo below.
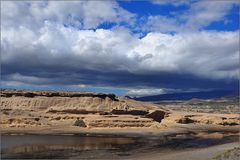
[21,108]
[36,109]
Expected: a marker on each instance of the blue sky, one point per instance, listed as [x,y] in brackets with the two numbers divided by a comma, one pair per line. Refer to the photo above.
[132,48]
[147,8]
[232,23]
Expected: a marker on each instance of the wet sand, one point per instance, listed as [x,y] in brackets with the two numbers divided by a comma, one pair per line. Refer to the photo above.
[191,154]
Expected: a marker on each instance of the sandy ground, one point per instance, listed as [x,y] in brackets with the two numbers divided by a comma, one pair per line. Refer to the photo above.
[192,154]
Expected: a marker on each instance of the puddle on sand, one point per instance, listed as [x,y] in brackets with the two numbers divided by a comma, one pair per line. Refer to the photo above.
[101,147]
[43,146]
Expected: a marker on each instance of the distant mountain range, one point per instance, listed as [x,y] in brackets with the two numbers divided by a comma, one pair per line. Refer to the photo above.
[189,95]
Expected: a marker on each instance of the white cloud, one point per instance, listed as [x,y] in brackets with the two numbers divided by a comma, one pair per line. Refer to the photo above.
[203,13]
[210,54]
[162,24]
[35,40]
[172,2]
[82,14]
[199,15]
[144,92]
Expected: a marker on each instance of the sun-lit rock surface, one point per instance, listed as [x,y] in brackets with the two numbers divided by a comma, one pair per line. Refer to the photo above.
[34,109]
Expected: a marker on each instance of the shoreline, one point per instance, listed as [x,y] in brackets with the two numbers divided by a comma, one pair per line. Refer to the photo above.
[151,147]
[135,132]
[144,143]
[206,153]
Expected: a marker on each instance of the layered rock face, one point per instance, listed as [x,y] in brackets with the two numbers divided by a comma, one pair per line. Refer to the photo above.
[20,107]
[29,109]
[64,101]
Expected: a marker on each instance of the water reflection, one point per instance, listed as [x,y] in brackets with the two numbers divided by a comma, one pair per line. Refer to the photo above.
[95,147]
[32,143]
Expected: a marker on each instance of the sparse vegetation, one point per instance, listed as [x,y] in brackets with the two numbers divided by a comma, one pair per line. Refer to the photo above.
[80,123]
[232,154]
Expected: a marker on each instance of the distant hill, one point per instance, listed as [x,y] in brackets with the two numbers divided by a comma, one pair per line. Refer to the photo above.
[190,95]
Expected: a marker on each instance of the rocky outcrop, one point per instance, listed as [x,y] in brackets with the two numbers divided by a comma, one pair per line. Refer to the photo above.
[20,122]
[69,102]
[157,115]
[228,120]
[22,109]
[119,122]
[70,108]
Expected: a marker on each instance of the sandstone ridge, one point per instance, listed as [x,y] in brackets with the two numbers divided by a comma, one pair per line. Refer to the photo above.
[59,109]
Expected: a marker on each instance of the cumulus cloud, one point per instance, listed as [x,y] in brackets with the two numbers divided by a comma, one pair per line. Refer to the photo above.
[42,43]
[210,54]
[82,14]
[199,15]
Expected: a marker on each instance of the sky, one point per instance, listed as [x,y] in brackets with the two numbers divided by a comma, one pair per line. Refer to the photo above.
[134,48]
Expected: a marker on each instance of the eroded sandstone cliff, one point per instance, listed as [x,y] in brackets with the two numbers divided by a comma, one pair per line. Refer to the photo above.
[22,108]
[29,109]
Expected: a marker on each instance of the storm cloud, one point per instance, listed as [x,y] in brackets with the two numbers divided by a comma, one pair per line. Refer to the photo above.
[51,47]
